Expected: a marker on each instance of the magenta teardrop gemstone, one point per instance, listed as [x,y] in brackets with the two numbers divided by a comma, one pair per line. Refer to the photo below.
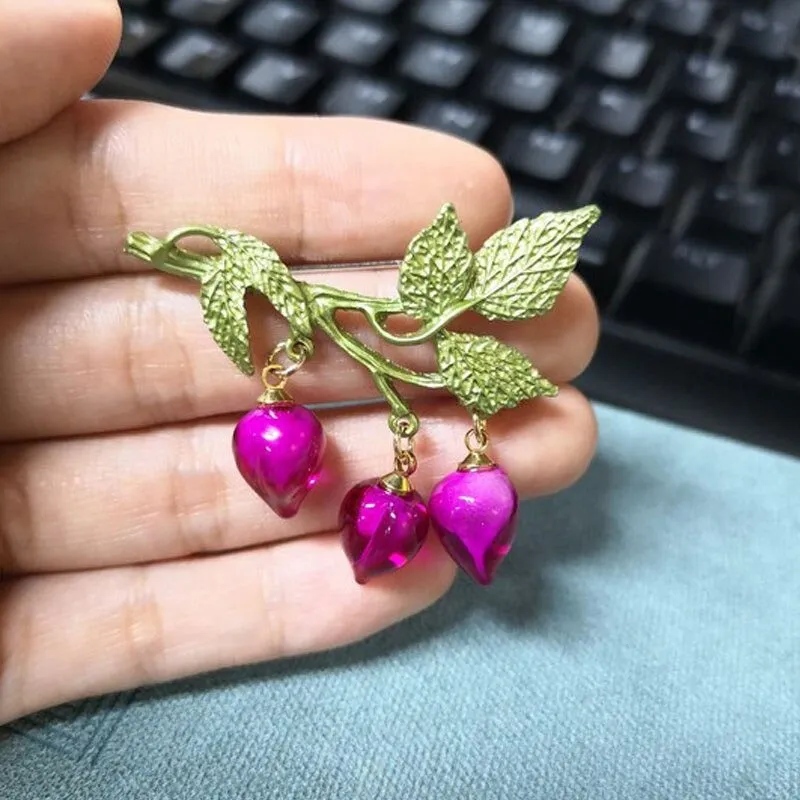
[381,531]
[474,512]
[279,449]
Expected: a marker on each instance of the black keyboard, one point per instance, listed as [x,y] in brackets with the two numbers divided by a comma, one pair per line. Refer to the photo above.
[681,118]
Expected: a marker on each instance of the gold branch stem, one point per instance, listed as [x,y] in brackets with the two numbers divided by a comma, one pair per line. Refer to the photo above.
[518,273]
[165,255]
[376,310]
[323,302]
[369,358]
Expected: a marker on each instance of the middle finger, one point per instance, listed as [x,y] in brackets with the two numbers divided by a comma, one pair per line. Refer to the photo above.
[112,354]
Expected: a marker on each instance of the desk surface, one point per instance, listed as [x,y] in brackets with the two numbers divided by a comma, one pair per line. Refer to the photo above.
[642,641]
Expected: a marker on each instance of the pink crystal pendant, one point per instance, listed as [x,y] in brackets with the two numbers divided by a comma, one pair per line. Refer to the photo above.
[383,525]
[474,511]
[279,447]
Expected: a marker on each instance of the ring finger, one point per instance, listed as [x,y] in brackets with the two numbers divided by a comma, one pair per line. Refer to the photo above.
[162,494]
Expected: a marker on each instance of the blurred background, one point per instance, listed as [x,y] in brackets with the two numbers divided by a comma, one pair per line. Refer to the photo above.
[680,118]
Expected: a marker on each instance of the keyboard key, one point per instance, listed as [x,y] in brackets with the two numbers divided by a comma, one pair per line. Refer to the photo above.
[202,12]
[453,117]
[604,8]
[138,33]
[786,98]
[127,83]
[707,79]
[361,96]
[700,270]
[521,85]
[355,40]
[777,346]
[685,17]
[438,62]
[599,242]
[531,31]
[199,55]
[529,203]
[278,78]
[740,209]
[452,17]
[785,312]
[707,136]
[765,35]
[541,153]
[781,160]
[279,21]
[644,183]
[615,110]
[371,6]
[618,55]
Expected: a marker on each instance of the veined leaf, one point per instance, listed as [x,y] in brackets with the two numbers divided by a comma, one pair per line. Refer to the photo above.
[267,274]
[521,270]
[247,263]
[222,289]
[486,375]
[438,268]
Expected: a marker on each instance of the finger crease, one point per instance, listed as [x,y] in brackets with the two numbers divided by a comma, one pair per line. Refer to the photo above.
[188,391]
[296,192]
[272,589]
[91,155]
[104,149]
[74,198]
[16,516]
[141,629]
[130,360]
[198,504]
[15,662]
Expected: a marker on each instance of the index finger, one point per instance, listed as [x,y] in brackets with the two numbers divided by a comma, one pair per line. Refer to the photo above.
[316,189]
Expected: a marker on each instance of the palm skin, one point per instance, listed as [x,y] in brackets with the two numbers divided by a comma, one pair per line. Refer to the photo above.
[131,551]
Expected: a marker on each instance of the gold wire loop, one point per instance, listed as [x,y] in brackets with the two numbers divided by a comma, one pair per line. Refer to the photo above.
[405,462]
[275,374]
[476,439]
[274,371]
[295,350]
[299,348]
[404,427]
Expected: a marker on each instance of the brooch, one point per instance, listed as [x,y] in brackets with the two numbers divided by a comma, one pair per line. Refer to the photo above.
[279,446]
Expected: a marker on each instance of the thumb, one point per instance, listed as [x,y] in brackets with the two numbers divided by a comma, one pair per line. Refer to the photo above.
[52,53]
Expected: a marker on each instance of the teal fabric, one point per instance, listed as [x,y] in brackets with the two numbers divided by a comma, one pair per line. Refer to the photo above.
[642,641]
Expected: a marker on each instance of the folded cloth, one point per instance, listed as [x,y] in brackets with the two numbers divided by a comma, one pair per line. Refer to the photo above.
[641,641]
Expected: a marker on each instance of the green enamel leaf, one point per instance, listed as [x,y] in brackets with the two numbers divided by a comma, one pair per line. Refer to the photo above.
[438,268]
[247,263]
[487,375]
[521,270]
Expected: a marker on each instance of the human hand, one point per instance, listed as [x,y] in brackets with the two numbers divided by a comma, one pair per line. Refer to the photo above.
[130,548]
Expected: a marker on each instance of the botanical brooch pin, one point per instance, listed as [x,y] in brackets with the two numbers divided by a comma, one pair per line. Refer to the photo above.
[279,446]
